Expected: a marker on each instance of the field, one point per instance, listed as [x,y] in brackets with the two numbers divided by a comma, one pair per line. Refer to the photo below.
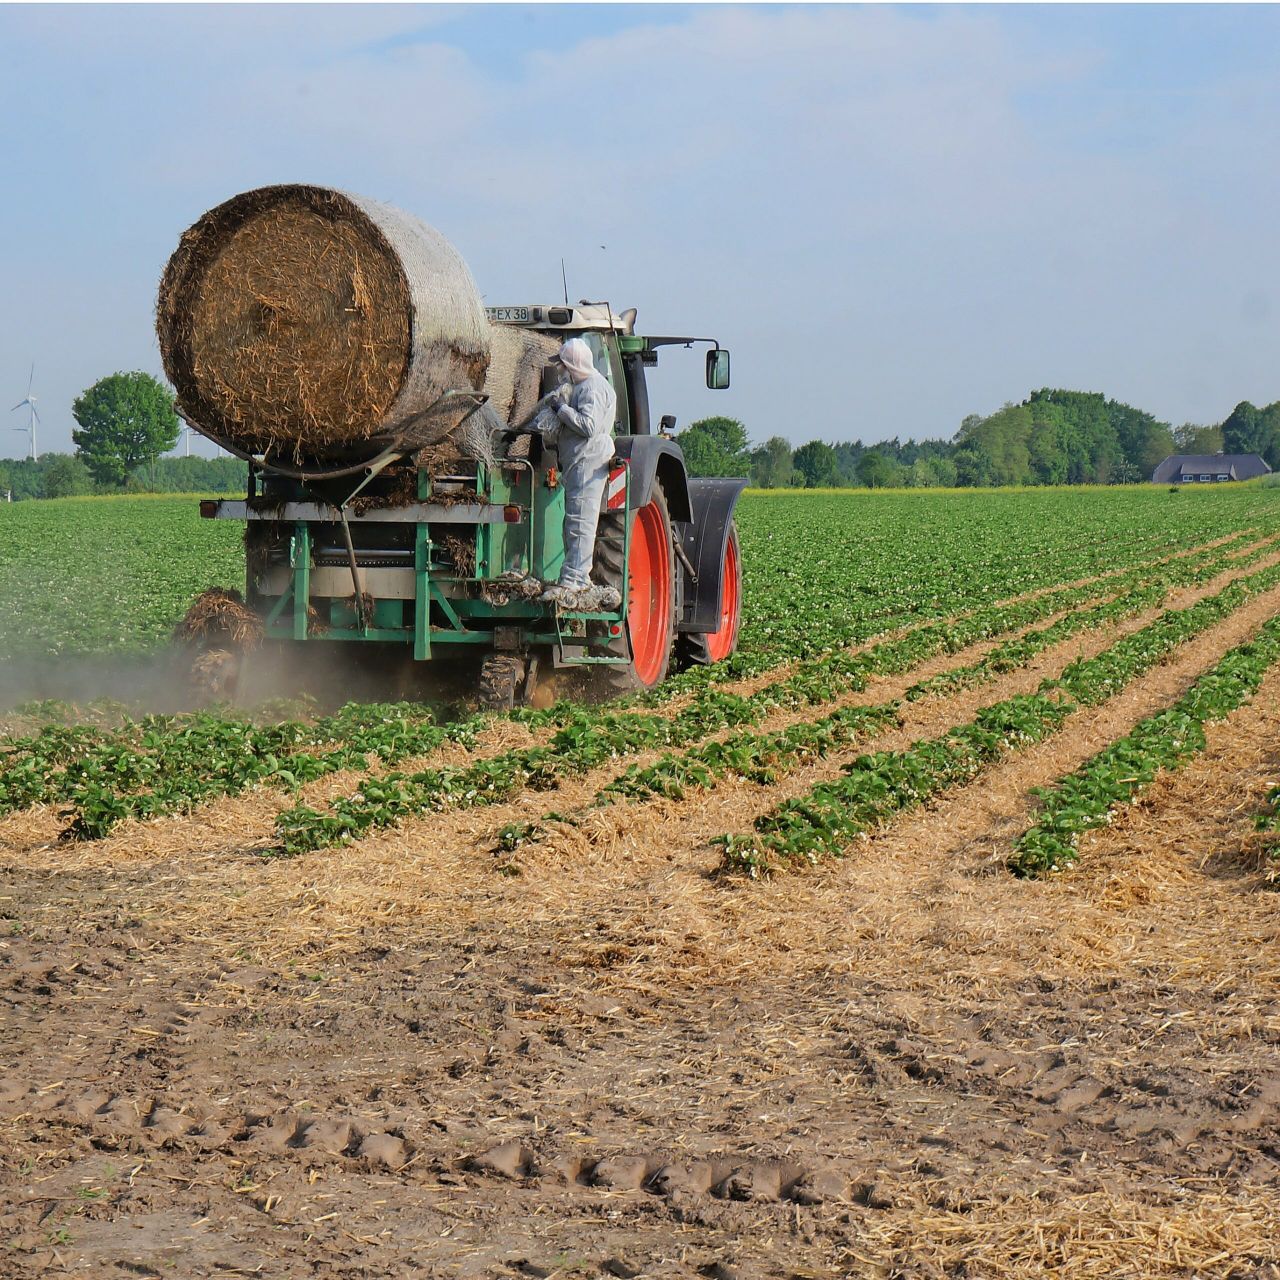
[934,936]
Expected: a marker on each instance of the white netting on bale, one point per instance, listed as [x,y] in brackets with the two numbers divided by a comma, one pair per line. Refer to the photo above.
[517,361]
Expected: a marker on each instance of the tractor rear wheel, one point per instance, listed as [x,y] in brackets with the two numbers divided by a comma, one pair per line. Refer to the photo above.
[701,649]
[651,593]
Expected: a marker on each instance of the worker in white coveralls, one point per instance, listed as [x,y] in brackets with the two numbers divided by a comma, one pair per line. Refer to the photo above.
[582,432]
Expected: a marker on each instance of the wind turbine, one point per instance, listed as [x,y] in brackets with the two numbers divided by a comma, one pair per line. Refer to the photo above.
[33,416]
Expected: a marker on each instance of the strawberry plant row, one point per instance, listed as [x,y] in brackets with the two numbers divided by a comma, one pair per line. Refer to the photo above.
[887,561]
[758,757]
[1088,798]
[173,766]
[588,740]
[821,679]
[1268,822]
[791,748]
[1021,650]
[1183,572]
[874,787]
[703,764]
[1269,818]
[134,771]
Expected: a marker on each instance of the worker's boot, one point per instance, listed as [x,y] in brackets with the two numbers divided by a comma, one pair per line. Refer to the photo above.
[561,596]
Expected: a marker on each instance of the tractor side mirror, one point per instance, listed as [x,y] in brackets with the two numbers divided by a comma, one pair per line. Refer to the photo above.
[717,369]
[667,425]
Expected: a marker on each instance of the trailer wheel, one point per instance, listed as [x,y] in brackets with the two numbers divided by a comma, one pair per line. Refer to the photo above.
[651,578]
[701,649]
[502,676]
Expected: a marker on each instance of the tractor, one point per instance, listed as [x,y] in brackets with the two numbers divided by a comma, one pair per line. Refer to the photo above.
[410,551]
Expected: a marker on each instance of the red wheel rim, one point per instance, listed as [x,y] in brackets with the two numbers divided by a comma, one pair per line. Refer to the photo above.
[720,641]
[649,600]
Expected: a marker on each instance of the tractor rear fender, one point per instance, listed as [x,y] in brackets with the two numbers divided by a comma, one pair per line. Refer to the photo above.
[656,457]
[705,538]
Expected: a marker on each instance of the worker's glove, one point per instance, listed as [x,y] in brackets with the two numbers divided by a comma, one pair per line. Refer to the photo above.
[559,395]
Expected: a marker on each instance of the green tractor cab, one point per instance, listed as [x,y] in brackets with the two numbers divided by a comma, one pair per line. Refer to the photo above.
[439,556]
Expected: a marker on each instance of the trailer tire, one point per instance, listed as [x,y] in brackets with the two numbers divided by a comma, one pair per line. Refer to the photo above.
[651,594]
[501,677]
[704,648]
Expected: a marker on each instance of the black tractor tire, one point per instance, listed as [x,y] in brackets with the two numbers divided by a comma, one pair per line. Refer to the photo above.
[651,670]
[697,649]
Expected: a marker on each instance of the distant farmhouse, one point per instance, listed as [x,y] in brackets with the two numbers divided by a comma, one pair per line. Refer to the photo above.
[1208,468]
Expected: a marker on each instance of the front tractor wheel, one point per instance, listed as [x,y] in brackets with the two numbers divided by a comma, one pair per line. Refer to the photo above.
[651,593]
[701,649]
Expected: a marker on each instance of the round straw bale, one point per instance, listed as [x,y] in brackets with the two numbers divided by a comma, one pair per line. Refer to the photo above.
[307,322]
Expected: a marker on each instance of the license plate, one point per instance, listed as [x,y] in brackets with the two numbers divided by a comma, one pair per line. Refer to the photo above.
[511,315]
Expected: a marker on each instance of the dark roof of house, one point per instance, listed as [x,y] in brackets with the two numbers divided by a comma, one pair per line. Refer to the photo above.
[1239,466]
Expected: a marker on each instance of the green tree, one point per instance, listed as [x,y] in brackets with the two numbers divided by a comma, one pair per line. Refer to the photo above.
[771,465]
[1003,440]
[932,472]
[715,447]
[1088,441]
[876,471]
[973,466]
[848,454]
[1250,429]
[1192,438]
[816,462]
[127,420]
[66,476]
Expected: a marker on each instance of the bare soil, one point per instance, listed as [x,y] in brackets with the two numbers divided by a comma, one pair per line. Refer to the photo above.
[391,1060]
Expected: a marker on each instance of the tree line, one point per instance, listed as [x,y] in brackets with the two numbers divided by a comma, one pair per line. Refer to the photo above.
[124,422]
[1053,437]
[127,420]
[65,475]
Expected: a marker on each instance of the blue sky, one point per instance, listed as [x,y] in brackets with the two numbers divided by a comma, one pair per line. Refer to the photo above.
[894,216]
